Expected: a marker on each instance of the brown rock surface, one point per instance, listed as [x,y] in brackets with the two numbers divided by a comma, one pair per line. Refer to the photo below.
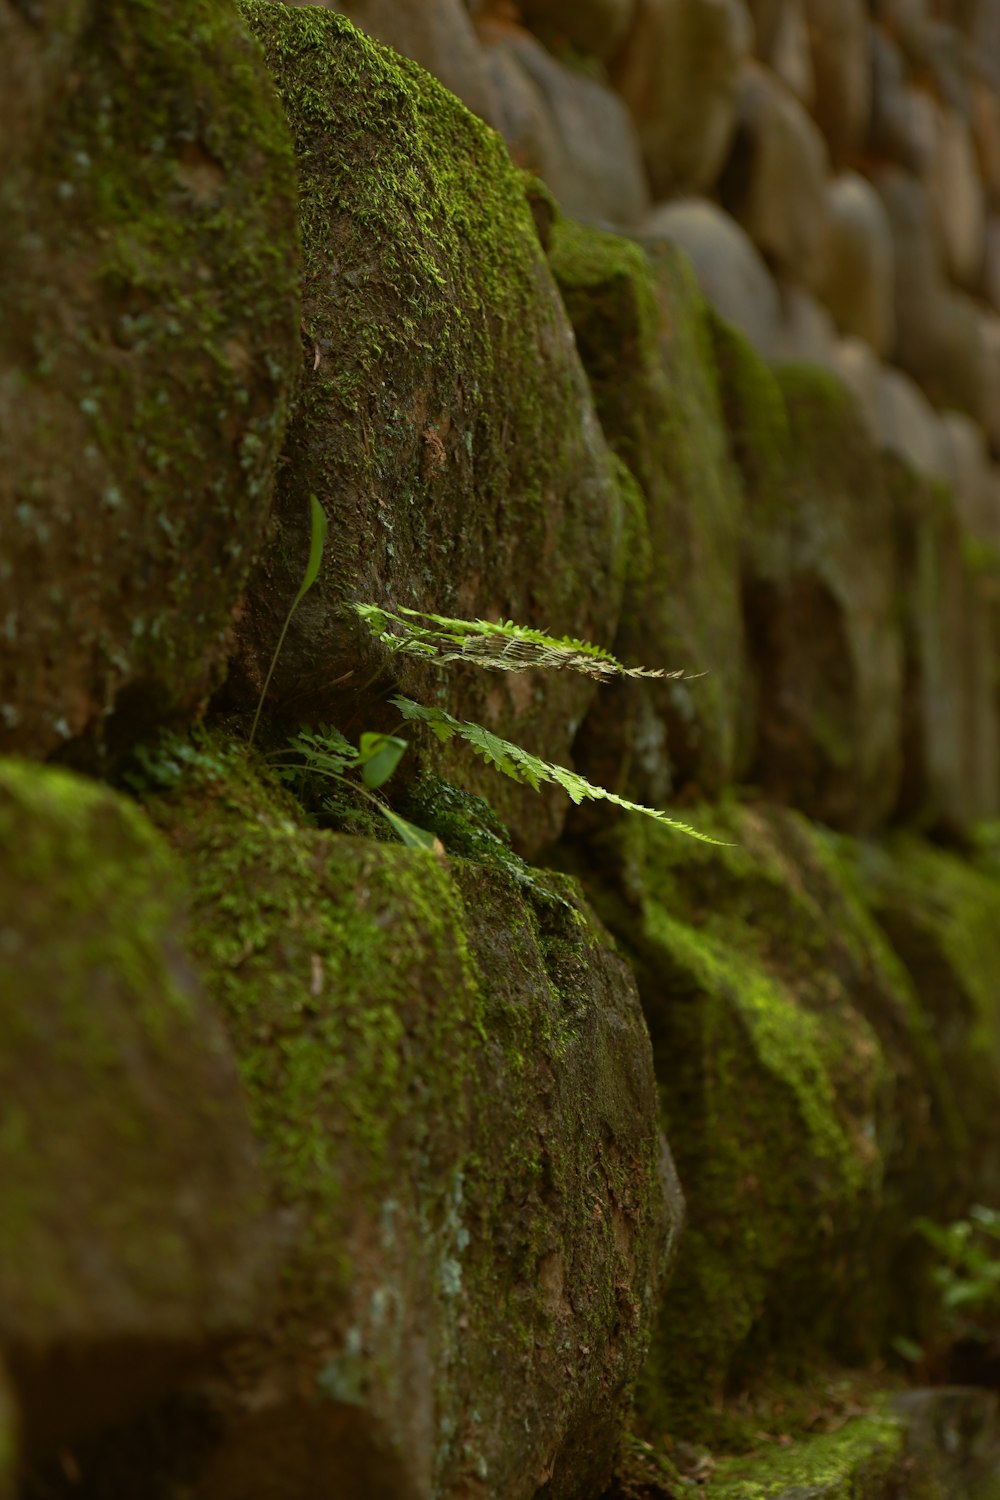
[857,284]
[148,266]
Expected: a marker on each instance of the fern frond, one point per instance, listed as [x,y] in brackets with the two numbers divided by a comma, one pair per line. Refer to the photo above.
[520,765]
[499,645]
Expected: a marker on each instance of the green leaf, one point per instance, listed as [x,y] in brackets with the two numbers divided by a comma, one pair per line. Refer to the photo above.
[318,526]
[412,836]
[520,765]
[380,755]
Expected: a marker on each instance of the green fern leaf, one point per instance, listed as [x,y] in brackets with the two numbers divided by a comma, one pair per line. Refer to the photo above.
[520,765]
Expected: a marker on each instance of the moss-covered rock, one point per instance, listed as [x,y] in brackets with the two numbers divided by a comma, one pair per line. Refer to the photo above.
[800,1096]
[442,416]
[640,324]
[940,914]
[452,1083]
[148,257]
[951,707]
[821,591]
[132,1228]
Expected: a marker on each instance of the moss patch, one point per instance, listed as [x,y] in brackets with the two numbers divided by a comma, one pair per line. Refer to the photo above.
[642,331]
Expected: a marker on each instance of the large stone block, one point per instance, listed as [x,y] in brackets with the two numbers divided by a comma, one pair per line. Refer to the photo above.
[820,582]
[642,332]
[148,270]
[133,1229]
[956,195]
[857,283]
[453,1084]
[774,182]
[802,1100]
[679,75]
[585,146]
[838,35]
[730,270]
[595,27]
[443,418]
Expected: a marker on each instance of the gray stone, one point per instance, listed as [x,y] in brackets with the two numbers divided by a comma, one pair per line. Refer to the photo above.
[678,73]
[838,35]
[902,118]
[905,423]
[775,180]
[148,275]
[805,333]
[857,284]
[970,475]
[586,149]
[730,270]
[790,55]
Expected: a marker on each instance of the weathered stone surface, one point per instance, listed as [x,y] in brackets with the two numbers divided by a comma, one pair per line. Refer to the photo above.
[453,1083]
[147,270]
[790,57]
[679,74]
[774,182]
[820,595]
[641,329]
[905,423]
[838,35]
[589,152]
[969,476]
[805,333]
[857,282]
[951,755]
[901,126]
[474,485]
[131,1226]
[730,270]
[596,27]
[438,34]
[778,1014]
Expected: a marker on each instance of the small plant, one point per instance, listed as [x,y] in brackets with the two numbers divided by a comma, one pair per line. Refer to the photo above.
[503,646]
[967,1272]
[317,536]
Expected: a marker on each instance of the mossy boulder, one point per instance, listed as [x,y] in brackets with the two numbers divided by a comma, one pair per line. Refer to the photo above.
[642,332]
[950,586]
[940,914]
[442,417]
[132,1229]
[821,574]
[148,269]
[452,1083]
[800,1095]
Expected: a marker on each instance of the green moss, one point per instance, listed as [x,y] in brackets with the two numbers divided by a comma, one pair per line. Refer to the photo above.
[642,332]
[444,421]
[859,1462]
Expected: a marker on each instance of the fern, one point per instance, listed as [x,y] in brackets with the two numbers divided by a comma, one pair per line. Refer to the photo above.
[520,765]
[501,646]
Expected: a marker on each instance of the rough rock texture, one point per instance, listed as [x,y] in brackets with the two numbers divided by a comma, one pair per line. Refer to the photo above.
[473,484]
[820,593]
[730,270]
[678,73]
[778,1014]
[453,1085]
[579,137]
[131,1226]
[643,335]
[774,181]
[148,263]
